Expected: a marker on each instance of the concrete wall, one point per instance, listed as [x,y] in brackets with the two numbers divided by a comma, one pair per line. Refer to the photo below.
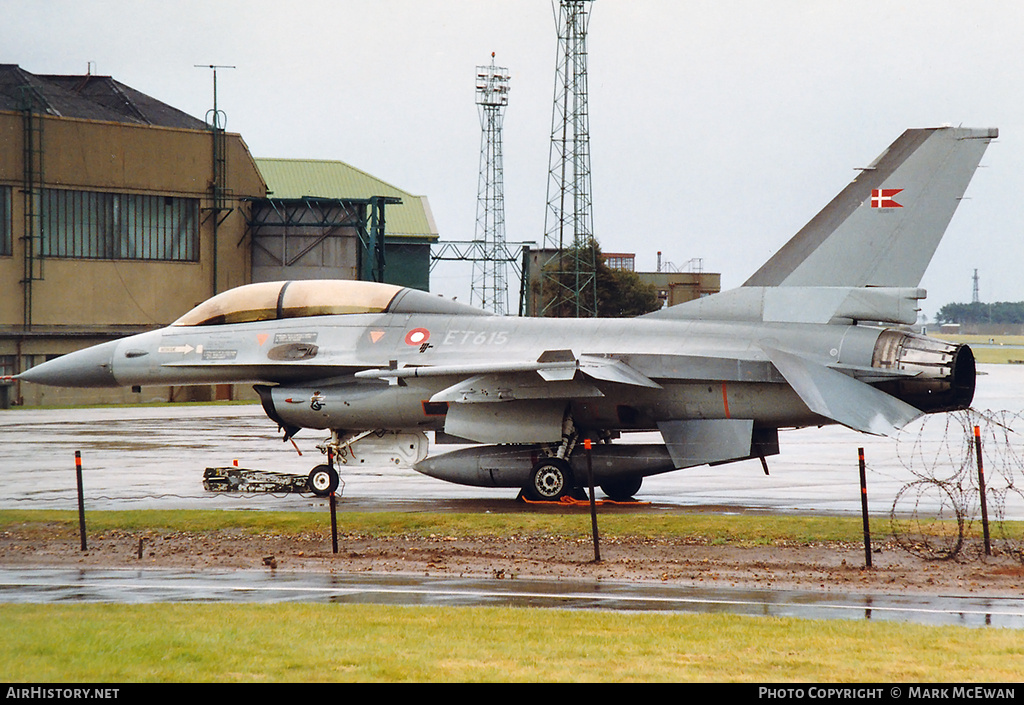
[679,287]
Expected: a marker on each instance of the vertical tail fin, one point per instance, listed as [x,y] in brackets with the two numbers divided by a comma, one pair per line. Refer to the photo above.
[883,228]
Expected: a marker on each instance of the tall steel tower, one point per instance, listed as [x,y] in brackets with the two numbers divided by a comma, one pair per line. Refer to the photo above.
[568,277]
[490,288]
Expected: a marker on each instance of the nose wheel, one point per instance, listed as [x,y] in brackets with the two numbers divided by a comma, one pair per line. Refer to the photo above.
[323,480]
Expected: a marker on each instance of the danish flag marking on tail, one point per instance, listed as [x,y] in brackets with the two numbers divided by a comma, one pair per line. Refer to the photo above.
[883,198]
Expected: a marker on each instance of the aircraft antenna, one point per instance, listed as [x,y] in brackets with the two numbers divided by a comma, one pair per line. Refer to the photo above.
[490,288]
[568,281]
[216,121]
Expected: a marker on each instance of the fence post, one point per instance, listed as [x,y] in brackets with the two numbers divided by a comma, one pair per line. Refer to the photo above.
[981,488]
[81,499]
[334,507]
[864,508]
[593,509]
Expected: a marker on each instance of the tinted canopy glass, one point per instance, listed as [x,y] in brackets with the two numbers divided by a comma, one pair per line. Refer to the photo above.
[268,301]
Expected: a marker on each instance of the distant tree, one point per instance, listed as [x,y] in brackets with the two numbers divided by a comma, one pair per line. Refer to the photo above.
[1000,312]
[620,293]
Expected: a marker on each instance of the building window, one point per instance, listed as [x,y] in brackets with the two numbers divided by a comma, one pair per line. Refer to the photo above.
[91,225]
[620,261]
[5,220]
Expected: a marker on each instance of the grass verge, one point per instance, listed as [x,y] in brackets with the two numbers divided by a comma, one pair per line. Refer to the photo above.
[311,643]
[991,355]
[574,523]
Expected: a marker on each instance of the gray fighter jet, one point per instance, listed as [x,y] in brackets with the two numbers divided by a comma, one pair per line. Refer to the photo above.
[816,336]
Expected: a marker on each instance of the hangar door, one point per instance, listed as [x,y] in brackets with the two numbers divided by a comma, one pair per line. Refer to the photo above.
[306,239]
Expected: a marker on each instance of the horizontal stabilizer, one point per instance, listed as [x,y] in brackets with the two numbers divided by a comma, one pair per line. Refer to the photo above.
[842,398]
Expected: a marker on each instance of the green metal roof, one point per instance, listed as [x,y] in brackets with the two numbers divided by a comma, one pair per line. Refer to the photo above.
[313,178]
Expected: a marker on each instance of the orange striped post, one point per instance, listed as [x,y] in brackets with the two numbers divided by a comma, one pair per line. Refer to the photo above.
[81,499]
[587,444]
[864,508]
[981,489]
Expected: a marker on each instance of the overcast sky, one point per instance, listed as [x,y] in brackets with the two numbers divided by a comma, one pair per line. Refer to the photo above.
[718,128]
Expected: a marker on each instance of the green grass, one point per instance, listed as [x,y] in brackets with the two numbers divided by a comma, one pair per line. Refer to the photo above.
[308,643]
[738,530]
[575,523]
[979,338]
[991,355]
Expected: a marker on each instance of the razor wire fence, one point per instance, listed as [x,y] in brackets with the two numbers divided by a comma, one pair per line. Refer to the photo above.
[936,515]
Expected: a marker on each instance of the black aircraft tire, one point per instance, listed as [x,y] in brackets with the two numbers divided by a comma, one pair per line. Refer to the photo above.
[622,490]
[550,480]
[323,480]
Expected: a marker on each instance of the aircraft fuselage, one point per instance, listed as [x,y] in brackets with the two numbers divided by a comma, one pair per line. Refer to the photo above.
[311,362]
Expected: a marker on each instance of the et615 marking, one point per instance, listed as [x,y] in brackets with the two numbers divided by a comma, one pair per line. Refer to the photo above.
[474,337]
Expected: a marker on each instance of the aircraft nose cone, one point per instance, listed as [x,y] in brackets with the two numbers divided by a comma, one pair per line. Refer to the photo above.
[92,367]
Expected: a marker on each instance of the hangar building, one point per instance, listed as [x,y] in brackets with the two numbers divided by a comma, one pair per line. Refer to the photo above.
[118,213]
[307,227]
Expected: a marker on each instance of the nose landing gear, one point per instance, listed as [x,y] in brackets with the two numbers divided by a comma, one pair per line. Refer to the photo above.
[403,448]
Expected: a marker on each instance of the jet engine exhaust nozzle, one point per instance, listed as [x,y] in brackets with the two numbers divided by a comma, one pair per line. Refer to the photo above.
[944,374]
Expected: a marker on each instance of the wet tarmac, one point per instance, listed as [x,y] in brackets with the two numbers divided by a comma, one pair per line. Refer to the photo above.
[155,458]
[93,585]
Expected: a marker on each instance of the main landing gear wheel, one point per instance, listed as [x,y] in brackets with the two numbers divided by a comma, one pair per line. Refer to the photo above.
[550,480]
[622,490]
[323,480]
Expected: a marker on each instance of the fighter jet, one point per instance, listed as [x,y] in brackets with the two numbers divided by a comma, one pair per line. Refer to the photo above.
[818,335]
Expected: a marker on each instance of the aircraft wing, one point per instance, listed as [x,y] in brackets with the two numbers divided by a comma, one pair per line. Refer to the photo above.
[555,367]
[840,393]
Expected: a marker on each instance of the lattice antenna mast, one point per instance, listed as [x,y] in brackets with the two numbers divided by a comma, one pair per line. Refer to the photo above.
[490,287]
[568,278]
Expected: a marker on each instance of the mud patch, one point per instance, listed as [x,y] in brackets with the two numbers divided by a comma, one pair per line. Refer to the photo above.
[826,567]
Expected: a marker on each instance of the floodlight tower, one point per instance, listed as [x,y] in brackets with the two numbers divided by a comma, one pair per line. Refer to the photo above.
[568,277]
[489,289]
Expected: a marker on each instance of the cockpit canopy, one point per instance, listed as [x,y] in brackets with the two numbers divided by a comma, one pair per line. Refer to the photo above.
[270,301]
